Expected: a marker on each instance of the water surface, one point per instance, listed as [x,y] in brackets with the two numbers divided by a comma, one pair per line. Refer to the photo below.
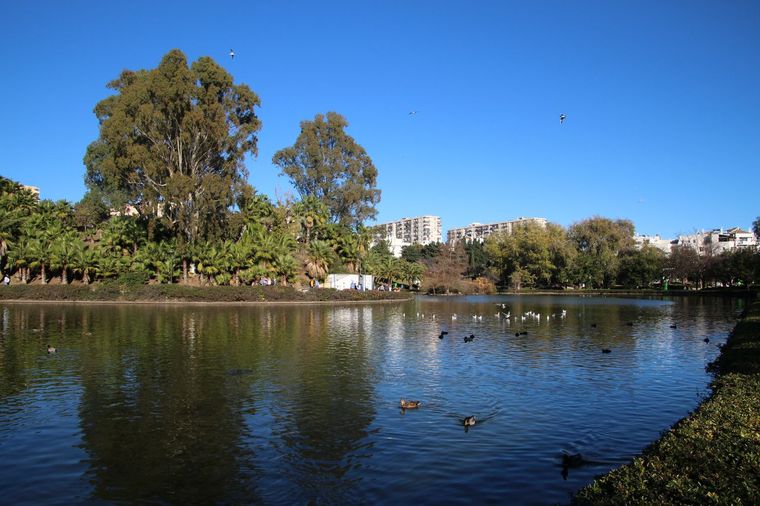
[297,404]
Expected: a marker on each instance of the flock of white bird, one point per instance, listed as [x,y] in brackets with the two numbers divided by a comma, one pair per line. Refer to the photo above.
[507,315]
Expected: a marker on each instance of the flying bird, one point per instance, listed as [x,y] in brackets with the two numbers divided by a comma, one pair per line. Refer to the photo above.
[232,54]
[412,113]
[562,118]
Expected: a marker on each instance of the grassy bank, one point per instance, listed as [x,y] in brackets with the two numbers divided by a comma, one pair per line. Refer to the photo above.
[113,292]
[711,456]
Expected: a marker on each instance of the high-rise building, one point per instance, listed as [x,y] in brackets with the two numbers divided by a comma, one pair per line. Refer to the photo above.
[407,231]
[479,231]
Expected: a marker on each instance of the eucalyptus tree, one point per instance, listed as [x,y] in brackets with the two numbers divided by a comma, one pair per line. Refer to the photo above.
[327,163]
[172,143]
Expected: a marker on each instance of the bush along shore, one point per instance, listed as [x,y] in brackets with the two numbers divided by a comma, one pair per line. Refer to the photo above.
[114,292]
[713,455]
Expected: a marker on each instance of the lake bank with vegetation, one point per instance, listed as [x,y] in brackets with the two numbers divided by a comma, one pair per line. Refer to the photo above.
[113,292]
[713,455]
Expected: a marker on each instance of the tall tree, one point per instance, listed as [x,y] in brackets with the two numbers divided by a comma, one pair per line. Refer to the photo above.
[327,163]
[756,228]
[599,240]
[172,143]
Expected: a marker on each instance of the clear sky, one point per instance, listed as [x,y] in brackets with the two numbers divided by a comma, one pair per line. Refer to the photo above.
[662,98]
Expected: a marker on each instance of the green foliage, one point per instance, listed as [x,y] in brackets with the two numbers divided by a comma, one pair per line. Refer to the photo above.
[172,143]
[133,278]
[531,256]
[639,268]
[114,291]
[327,163]
[599,241]
[420,253]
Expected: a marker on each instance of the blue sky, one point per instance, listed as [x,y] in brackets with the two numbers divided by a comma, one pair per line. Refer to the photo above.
[661,98]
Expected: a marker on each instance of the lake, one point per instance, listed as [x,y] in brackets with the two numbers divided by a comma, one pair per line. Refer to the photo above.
[300,404]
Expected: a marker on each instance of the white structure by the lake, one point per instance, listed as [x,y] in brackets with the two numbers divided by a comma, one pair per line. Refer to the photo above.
[479,231]
[407,231]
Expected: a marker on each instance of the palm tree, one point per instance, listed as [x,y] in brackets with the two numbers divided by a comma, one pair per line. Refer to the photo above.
[412,272]
[86,263]
[313,214]
[41,250]
[21,256]
[240,256]
[318,259]
[65,249]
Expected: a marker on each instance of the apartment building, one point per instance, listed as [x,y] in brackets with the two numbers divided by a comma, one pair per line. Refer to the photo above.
[655,241]
[717,241]
[479,231]
[407,231]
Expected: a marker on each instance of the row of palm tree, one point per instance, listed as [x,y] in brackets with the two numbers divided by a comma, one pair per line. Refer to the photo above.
[288,242]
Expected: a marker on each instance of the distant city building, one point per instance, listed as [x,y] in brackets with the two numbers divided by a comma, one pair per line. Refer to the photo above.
[655,241]
[407,231]
[718,241]
[479,231]
[33,189]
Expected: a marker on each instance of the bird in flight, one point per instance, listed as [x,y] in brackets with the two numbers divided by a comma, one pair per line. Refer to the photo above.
[412,113]
[232,54]
[562,118]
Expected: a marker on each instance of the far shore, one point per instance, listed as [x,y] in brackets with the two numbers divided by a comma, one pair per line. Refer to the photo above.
[113,293]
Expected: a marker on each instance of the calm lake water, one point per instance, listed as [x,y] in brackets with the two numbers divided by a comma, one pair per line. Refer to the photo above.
[299,404]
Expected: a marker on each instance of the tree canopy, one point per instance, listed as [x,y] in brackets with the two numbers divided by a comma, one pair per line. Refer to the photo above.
[172,143]
[329,164]
[599,241]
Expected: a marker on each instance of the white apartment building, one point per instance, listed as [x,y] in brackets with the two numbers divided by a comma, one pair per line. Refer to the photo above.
[407,231]
[717,241]
[479,231]
[654,241]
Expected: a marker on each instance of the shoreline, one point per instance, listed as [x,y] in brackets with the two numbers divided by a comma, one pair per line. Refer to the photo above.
[712,454]
[210,302]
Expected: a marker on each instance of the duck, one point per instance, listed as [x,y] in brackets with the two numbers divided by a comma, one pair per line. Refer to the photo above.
[572,460]
[409,404]
[674,326]
[443,333]
[51,349]
[470,338]
[593,325]
[524,333]
[630,324]
[468,421]
[706,339]
[606,350]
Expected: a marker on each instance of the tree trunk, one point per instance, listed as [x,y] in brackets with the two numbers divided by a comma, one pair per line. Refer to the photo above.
[64,276]
[184,270]
[43,274]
